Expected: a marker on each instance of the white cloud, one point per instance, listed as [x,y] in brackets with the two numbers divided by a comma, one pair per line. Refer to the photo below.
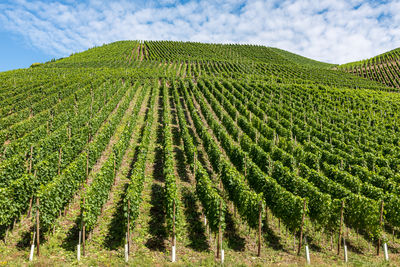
[333,31]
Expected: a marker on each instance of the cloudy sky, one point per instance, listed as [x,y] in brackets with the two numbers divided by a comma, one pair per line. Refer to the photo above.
[336,31]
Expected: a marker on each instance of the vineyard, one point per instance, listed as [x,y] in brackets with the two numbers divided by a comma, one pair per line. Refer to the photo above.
[143,153]
[384,68]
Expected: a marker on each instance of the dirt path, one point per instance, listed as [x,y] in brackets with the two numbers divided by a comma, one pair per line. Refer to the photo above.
[238,236]
[142,51]
[66,227]
[235,226]
[111,219]
[149,235]
[193,241]
[139,52]
[20,235]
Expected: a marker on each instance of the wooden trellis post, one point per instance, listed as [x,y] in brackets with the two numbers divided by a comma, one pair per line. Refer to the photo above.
[83,226]
[37,228]
[219,244]
[87,166]
[127,228]
[340,227]
[301,227]
[259,229]
[173,241]
[380,224]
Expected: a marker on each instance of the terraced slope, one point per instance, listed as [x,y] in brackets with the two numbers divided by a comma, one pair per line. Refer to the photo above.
[206,148]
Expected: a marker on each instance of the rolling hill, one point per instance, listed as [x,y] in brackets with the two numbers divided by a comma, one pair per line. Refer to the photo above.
[384,68]
[245,151]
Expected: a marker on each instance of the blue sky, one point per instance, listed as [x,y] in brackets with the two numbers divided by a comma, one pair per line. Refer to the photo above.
[15,52]
[336,31]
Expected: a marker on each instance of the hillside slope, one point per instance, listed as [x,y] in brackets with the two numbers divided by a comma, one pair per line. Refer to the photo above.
[302,60]
[384,68]
[201,147]
[243,60]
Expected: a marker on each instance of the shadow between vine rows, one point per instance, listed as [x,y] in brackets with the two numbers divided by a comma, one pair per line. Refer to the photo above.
[234,240]
[157,228]
[197,232]
[270,238]
[70,242]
